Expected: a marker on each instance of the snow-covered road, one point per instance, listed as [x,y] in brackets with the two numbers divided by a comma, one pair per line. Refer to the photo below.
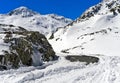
[63,71]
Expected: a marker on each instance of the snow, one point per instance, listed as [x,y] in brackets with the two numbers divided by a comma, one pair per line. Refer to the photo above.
[63,71]
[22,11]
[97,36]
[3,46]
[37,57]
[32,21]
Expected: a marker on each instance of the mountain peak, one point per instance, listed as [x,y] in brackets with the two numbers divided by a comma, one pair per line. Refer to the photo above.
[22,11]
[22,8]
[109,0]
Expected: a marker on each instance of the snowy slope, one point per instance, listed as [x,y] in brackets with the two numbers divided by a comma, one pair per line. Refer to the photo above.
[96,33]
[34,21]
[62,71]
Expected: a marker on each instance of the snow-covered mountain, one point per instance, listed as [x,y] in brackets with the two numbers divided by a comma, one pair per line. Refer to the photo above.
[97,31]
[33,21]
[21,44]
[22,11]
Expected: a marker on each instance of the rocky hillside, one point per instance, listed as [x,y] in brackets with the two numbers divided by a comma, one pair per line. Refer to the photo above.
[19,47]
[33,21]
[97,31]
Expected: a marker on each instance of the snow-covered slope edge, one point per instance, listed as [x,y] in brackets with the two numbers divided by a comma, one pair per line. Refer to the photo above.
[97,31]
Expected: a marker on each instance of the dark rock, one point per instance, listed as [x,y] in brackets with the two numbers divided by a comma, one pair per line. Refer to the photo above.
[23,47]
[3,67]
[83,58]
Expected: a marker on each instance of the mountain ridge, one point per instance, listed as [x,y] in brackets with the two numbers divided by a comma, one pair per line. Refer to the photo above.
[33,21]
[89,35]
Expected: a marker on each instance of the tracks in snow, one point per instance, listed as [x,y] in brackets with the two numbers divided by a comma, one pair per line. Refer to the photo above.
[106,71]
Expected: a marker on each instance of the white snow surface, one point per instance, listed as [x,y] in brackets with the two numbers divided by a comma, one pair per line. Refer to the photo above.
[33,21]
[97,36]
[63,71]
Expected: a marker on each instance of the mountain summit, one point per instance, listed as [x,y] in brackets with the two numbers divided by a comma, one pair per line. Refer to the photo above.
[97,31]
[103,8]
[23,11]
[33,21]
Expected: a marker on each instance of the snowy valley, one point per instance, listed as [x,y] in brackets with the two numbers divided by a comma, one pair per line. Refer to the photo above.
[85,50]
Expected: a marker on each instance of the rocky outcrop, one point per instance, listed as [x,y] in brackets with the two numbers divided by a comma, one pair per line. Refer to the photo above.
[24,48]
[82,58]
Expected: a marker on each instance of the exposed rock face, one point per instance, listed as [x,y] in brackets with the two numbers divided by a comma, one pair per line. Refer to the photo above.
[82,58]
[23,47]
